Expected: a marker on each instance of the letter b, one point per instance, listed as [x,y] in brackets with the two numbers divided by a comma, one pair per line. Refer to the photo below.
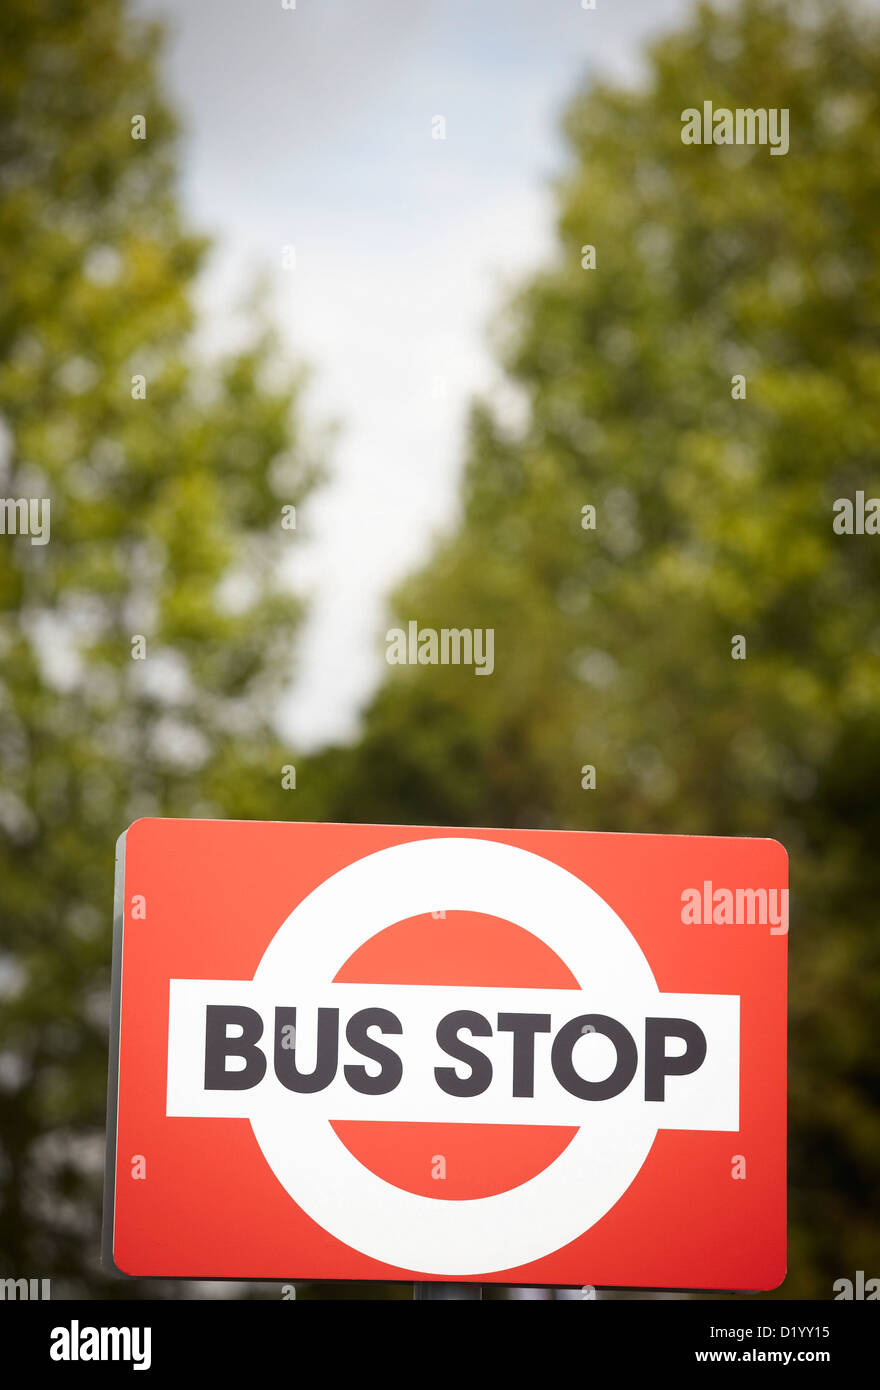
[218,1046]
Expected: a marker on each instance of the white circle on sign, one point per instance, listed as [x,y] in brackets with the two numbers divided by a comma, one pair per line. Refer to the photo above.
[442,1236]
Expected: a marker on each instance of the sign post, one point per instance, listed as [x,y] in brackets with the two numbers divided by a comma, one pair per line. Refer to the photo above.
[447,1057]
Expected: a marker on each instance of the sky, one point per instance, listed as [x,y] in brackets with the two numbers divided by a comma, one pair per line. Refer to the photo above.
[313,128]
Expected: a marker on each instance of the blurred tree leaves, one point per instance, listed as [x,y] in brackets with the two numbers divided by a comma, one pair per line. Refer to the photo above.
[714,518]
[166,523]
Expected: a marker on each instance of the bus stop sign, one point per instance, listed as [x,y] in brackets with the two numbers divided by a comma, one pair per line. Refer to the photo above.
[367,1052]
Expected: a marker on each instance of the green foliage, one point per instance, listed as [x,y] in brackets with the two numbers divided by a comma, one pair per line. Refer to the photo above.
[165,523]
[714,518]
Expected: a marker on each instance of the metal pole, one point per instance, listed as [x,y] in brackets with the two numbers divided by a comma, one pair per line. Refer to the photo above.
[441,1293]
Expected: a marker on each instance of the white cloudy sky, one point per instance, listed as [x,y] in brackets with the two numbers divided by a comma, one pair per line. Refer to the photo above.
[311,127]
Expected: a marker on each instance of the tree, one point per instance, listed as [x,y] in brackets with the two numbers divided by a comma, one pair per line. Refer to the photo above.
[616,645]
[144,643]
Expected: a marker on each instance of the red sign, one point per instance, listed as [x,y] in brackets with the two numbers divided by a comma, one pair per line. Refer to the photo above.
[409,1053]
